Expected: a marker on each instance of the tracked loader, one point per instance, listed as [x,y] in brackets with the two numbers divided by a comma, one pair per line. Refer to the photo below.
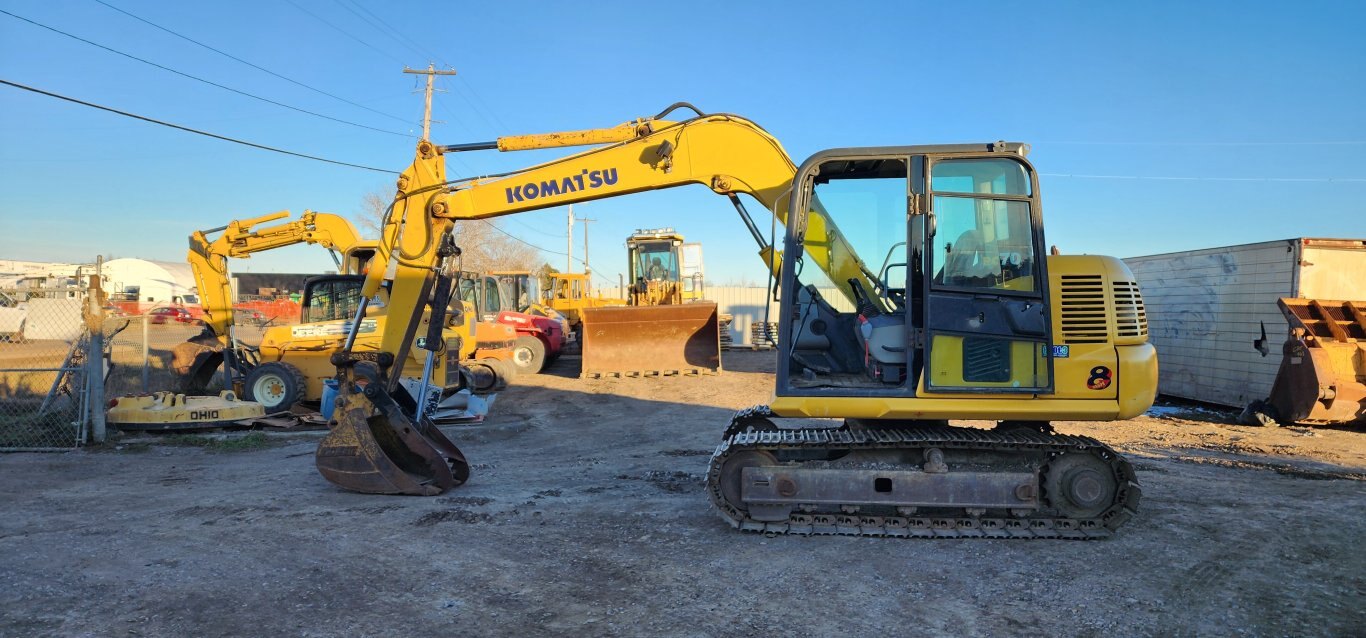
[966,317]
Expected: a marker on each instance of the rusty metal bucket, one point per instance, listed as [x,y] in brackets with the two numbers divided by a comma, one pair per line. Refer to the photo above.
[630,341]
[383,452]
[1322,377]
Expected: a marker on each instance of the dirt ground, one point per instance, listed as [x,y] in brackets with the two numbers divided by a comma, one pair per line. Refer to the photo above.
[585,515]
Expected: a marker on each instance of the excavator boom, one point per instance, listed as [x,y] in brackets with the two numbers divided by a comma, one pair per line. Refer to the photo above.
[240,239]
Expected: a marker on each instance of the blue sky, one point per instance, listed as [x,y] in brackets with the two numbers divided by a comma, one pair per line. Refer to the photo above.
[1220,91]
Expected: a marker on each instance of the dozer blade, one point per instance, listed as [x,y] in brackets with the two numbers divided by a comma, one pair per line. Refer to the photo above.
[651,340]
[384,453]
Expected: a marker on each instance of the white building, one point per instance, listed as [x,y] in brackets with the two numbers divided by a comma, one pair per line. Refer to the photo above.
[150,283]
[38,274]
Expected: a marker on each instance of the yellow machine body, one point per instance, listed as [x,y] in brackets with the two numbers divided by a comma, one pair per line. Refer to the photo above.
[571,292]
[998,331]
[306,347]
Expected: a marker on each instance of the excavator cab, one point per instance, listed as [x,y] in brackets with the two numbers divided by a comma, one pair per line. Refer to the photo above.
[958,304]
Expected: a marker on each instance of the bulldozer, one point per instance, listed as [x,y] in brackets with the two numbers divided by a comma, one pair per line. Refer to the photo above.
[569,293]
[291,363]
[666,327]
[966,317]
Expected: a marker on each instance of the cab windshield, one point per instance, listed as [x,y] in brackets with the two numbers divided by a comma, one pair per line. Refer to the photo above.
[655,261]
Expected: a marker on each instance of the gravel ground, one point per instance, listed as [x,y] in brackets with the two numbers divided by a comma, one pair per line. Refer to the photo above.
[586,516]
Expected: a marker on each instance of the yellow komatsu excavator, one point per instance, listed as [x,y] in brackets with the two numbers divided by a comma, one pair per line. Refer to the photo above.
[292,362]
[966,317]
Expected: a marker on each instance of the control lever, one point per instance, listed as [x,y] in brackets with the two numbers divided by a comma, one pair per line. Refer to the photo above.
[862,302]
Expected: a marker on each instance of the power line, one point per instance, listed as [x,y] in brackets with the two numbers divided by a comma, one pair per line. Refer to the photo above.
[339,30]
[199,79]
[563,254]
[1176,178]
[535,229]
[491,112]
[195,131]
[343,4]
[434,57]
[384,28]
[254,66]
[495,227]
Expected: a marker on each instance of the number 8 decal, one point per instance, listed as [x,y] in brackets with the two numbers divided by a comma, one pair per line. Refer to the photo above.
[1099,379]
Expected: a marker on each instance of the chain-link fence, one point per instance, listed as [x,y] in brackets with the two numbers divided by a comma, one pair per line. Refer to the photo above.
[142,352]
[43,369]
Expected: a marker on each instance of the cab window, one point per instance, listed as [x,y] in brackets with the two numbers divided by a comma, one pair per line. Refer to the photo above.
[983,241]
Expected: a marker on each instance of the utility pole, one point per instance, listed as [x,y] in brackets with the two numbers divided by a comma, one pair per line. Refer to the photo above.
[431,74]
[585,221]
[570,241]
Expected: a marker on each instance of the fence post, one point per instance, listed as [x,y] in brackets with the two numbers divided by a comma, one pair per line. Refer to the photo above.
[146,353]
[95,377]
[95,382]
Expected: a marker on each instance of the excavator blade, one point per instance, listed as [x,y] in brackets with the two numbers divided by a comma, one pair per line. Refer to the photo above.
[383,452]
[631,341]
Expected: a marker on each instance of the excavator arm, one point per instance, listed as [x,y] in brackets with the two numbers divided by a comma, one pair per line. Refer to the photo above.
[725,153]
[208,259]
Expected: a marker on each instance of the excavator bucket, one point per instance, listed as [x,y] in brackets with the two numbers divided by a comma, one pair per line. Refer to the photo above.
[630,341]
[1322,378]
[383,452]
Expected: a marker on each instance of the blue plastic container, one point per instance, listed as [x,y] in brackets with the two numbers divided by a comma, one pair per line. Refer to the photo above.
[329,402]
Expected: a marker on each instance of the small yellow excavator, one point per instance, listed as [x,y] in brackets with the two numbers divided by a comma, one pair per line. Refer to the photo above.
[292,362]
[967,316]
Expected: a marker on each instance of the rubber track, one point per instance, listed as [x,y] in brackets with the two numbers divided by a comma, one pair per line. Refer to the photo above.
[962,526]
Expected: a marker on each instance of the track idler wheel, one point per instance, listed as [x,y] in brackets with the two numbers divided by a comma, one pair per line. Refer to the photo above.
[731,474]
[1080,485]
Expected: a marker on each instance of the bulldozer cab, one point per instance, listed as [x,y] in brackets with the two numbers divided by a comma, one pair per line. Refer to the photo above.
[571,286]
[958,303]
[655,264]
[655,255]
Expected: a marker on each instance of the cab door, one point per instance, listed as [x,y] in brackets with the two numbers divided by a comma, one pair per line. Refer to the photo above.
[985,320]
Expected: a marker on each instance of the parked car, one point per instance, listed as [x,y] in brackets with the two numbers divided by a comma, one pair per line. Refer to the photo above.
[171,314]
[249,316]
